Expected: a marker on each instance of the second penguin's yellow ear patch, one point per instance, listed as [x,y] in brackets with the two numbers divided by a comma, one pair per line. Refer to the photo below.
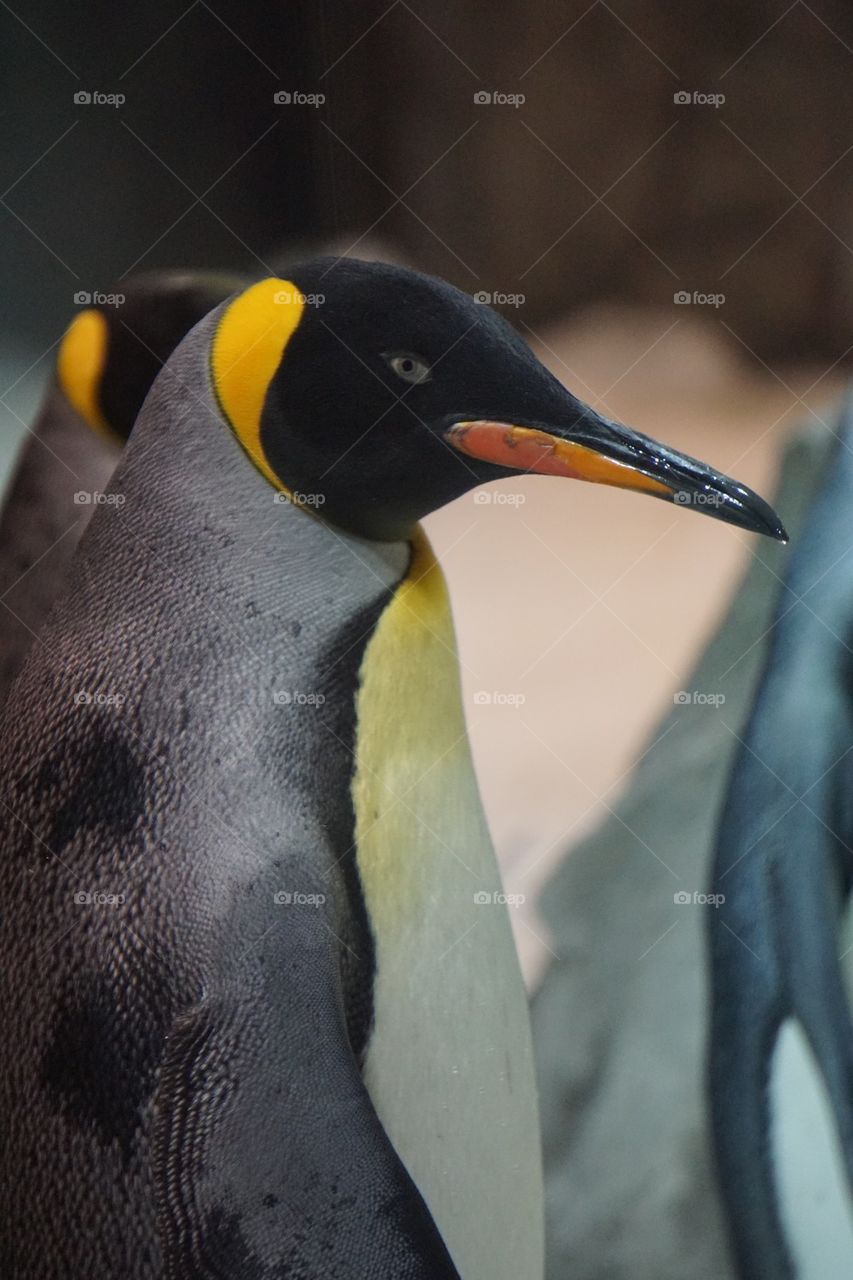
[245,353]
[80,367]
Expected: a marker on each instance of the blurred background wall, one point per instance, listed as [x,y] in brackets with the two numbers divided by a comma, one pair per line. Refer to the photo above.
[657,196]
[587,178]
[601,184]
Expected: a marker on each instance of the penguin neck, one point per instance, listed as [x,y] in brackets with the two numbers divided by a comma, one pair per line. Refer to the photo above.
[214,520]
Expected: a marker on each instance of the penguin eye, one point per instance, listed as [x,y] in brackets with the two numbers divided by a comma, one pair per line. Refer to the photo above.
[408,367]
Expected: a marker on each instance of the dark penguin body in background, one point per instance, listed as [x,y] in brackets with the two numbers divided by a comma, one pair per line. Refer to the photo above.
[107,361]
[781,1043]
[259,1022]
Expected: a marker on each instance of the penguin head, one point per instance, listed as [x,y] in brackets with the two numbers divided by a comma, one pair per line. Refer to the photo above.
[112,351]
[375,394]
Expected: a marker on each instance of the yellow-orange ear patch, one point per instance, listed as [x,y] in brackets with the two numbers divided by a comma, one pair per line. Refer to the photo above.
[246,351]
[80,367]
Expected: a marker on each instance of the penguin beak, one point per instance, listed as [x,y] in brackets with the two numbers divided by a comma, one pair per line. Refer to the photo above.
[605,452]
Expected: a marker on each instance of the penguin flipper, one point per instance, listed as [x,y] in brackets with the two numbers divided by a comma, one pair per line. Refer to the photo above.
[274,1165]
[746,1016]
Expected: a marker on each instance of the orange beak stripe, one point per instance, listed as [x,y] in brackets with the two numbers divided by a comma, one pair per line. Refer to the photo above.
[528,449]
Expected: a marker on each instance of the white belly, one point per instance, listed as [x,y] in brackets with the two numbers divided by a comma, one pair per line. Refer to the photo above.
[811,1183]
[449,1066]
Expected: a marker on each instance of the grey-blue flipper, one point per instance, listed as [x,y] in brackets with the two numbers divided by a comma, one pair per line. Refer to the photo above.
[783,867]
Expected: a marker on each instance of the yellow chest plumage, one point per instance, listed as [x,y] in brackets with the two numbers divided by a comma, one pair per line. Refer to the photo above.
[449,1065]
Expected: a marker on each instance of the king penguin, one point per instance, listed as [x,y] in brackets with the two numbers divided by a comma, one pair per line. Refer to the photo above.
[781,1039]
[262,1014]
[106,363]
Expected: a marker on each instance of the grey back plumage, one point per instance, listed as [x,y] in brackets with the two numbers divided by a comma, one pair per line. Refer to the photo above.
[184,952]
[41,523]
